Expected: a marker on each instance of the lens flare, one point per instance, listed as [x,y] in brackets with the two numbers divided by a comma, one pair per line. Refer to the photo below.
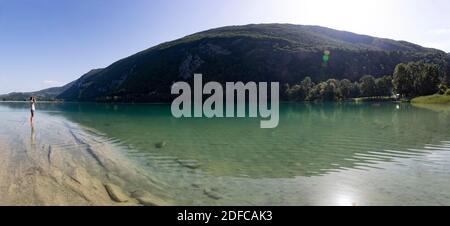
[326,56]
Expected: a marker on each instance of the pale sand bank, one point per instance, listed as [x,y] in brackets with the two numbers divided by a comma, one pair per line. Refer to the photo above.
[58,163]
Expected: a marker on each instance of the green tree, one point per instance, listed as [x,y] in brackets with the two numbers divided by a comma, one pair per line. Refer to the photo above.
[314,93]
[296,93]
[416,79]
[300,91]
[345,89]
[442,88]
[307,84]
[402,81]
[426,78]
[348,89]
[384,86]
[328,90]
[367,86]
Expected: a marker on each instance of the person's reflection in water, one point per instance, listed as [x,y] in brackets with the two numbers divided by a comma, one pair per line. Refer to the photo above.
[33,137]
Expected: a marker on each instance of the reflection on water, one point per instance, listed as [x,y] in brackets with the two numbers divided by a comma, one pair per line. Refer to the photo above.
[321,154]
[33,135]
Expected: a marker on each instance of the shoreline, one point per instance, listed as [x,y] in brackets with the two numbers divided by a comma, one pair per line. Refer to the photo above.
[433,99]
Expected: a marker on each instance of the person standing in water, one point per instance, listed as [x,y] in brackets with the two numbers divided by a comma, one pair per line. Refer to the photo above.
[33,108]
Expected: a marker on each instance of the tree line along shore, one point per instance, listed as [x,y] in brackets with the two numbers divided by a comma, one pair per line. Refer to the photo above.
[409,81]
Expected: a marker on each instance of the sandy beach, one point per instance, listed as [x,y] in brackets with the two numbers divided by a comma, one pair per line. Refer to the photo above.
[54,162]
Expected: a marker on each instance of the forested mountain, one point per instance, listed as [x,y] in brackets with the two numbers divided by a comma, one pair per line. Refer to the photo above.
[265,52]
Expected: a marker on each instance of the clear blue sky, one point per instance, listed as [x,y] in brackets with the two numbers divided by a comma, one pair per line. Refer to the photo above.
[45,43]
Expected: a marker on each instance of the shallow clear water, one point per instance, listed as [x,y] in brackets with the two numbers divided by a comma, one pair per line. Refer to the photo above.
[321,154]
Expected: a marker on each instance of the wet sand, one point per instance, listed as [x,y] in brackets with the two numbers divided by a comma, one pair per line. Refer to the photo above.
[54,162]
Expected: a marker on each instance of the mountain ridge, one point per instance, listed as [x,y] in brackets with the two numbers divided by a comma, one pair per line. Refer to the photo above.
[285,53]
[48,94]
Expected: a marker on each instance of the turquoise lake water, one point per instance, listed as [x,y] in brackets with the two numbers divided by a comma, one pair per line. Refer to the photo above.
[320,154]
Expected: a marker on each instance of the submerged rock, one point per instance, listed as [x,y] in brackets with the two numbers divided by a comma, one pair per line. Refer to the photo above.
[189,164]
[80,175]
[385,126]
[160,144]
[212,193]
[116,193]
[147,199]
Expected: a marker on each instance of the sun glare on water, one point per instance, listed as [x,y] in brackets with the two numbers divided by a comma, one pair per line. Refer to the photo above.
[343,200]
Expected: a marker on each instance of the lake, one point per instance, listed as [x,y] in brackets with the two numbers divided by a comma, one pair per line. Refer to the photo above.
[320,154]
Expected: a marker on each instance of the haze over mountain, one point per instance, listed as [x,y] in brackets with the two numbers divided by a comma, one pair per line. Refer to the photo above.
[266,52]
